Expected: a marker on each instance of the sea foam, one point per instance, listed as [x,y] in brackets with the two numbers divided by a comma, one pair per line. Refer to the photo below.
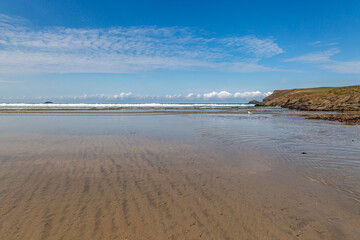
[95,106]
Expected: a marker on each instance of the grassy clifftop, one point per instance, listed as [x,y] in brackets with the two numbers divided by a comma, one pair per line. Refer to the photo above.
[316,99]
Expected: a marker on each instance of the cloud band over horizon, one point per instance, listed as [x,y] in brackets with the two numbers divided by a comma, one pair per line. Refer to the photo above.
[129,96]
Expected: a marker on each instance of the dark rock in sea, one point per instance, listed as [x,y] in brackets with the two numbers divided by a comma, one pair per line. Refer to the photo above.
[304,153]
[253,102]
[48,102]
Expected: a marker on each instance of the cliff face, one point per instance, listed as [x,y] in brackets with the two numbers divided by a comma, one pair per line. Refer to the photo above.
[316,99]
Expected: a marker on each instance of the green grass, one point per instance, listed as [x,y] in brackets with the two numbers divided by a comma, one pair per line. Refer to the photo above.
[331,90]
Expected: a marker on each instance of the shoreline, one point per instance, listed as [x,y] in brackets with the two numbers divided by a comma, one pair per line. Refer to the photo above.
[350,117]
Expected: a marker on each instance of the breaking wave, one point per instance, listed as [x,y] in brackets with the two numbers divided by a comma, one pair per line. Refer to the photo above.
[95,106]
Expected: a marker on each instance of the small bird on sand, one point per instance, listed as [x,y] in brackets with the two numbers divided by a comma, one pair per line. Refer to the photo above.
[249,112]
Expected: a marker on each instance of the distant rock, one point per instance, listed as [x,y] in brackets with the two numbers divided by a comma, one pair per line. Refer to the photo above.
[48,102]
[253,102]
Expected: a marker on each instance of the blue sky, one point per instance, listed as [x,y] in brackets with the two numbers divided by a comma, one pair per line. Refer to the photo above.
[174,51]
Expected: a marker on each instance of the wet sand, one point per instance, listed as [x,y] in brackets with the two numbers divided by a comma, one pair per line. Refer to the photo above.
[129,186]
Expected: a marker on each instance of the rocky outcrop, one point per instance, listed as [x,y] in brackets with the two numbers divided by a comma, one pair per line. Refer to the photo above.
[253,102]
[344,118]
[316,99]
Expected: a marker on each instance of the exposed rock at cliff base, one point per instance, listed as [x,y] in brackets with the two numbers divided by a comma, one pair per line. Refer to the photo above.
[344,118]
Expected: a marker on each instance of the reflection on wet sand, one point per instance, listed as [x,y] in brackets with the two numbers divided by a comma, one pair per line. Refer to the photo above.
[130,186]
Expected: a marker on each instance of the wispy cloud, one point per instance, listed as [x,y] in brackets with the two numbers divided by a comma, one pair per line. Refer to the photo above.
[323,44]
[251,44]
[10,21]
[323,60]
[317,57]
[28,49]
[7,81]
[352,67]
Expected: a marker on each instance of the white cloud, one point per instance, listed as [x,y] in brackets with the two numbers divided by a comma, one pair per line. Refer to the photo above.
[173,96]
[128,96]
[217,95]
[318,57]
[27,49]
[343,67]
[249,95]
[120,96]
[190,96]
[238,95]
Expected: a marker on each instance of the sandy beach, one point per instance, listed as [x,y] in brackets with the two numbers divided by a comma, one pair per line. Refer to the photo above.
[77,185]
[179,120]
